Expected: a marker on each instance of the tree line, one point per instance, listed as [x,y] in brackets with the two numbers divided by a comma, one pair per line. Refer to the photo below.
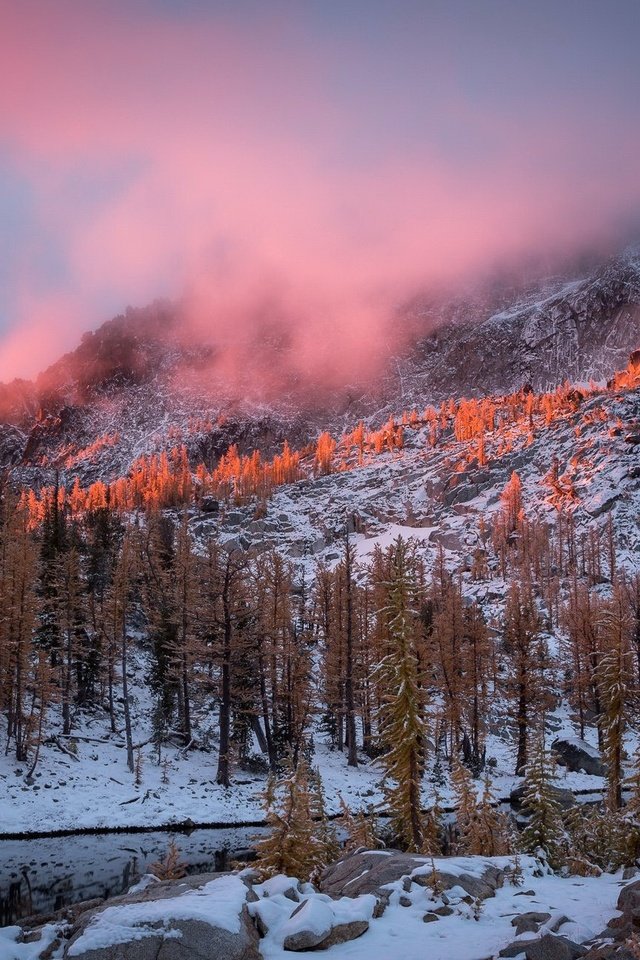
[476,431]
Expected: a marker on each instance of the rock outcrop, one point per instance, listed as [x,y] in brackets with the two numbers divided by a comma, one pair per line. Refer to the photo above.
[372,871]
[199,918]
[578,756]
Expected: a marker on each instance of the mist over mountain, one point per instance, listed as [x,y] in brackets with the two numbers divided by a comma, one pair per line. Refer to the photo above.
[150,375]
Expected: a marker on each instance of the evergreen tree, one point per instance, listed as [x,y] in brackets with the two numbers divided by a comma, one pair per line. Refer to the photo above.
[489,834]
[116,609]
[53,545]
[401,722]
[615,677]
[360,828]
[296,845]
[521,631]
[18,612]
[544,833]
[482,829]
[156,548]
[465,802]
[432,827]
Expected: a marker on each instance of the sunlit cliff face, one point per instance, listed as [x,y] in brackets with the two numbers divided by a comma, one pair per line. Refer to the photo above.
[294,175]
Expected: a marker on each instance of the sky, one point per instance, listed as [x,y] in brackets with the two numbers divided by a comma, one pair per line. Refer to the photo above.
[311,160]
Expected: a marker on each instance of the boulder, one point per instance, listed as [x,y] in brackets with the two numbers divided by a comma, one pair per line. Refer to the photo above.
[548,947]
[366,872]
[577,755]
[529,922]
[310,923]
[629,898]
[563,797]
[344,932]
[551,947]
[610,951]
[200,918]
[464,493]
[475,887]
[317,924]
[270,912]
[372,870]
[622,927]
[513,949]
[285,886]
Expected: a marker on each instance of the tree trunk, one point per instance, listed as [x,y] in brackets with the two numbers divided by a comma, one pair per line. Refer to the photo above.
[521,761]
[222,776]
[348,685]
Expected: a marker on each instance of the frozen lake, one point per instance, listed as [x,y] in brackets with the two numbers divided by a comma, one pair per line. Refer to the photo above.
[38,876]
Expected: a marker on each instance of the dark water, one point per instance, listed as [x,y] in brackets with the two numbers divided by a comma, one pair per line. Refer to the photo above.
[39,876]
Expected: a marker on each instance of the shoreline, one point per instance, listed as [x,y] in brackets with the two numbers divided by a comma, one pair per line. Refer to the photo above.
[188,826]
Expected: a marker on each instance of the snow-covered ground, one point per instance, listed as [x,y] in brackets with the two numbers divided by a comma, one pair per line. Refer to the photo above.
[96,790]
[576,908]
[402,932]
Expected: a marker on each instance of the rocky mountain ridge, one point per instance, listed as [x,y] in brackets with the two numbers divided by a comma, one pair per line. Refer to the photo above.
[135,386]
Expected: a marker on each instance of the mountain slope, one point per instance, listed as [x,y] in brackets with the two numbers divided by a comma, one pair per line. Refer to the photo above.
[137,384]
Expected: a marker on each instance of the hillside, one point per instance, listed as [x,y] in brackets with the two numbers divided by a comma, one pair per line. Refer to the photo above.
[576,457]
[138,383]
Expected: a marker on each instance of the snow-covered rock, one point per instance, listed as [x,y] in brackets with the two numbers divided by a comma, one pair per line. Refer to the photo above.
[317,922]
[577,755]
[373,871]
[547,947]
[209,917]
[309,924]
[198,918]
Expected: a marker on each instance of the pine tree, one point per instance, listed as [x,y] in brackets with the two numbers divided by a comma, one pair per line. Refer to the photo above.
[589,840]
[336,599]
[71,617]
[488,834]
[296,846]
[325,450]
[521,631]
[465,802]
[401,722]
[349,679]
[631,811]
[445,640]
[53,544]
[476,658]
[18,611]
[360,828]
[482,829]
[615,676]
[171,867]
[155,547]
[104,535]
[325,835]
[43,692]
[187,611]
[115,627]
[432,828]
[544,833]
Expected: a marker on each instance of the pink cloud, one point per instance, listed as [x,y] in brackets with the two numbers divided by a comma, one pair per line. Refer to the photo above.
[246,187]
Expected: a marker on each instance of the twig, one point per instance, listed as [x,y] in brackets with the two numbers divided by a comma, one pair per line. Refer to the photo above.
[66,750]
